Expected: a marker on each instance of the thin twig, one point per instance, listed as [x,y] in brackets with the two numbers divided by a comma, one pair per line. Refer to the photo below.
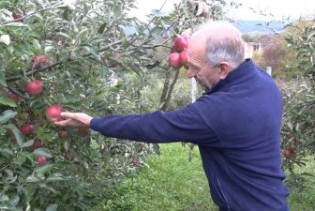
[29,15]
[147,26]
[69,59]
[4,167]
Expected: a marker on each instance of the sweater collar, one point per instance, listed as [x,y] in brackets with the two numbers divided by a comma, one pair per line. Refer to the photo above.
[244,71]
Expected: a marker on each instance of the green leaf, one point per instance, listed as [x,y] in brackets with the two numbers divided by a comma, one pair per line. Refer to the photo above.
[36,44]
[28,143]
[51,189]
[66,145]
[55,178]
[310,35]
[43,169]
[64,35]
[81,33]
[7,115]
[2,79]
[5,39]
[43,152]
[14,200]
[85,165]
[4,100]
[17,134]
[10,179]
[52,207]
[32,178]
[21,158]
[4,198]
[101,28]
[49,48]
[6,152]
[4,4]
[18,24]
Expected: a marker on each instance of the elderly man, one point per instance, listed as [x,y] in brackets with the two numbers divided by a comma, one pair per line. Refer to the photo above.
[236,123]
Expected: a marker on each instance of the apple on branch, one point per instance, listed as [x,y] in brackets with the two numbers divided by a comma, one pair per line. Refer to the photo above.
[17,16]
[34,87]
[181,42]
[53,113]
[40,61]
[41,160]
[27,129]
[14,96]
[288,153]
[173,60]
[37,144]
[183,57]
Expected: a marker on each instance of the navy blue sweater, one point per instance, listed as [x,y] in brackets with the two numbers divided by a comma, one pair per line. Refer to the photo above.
[237,128]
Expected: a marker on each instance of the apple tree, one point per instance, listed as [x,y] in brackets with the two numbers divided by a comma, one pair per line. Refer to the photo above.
[299,125]
[88,56]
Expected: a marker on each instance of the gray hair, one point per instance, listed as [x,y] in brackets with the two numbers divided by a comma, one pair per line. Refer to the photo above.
[223,43]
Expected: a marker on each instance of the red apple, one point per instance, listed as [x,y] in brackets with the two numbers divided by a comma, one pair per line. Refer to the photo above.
[34,87]
[83,132]
[27,129]
[37,144]
[287,152]
[173,60]
[134,162]
[41,160]
[183,57]
[53,113]
[14,97]
[40,61]
[16,15]
[181,42]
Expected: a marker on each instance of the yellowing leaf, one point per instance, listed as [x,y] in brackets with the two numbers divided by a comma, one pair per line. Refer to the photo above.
[5,39]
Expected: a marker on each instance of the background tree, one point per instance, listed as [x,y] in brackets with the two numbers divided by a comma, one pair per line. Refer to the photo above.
[298,124]
[273,51]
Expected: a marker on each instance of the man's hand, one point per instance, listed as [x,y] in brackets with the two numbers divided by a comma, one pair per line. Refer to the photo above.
[71,119]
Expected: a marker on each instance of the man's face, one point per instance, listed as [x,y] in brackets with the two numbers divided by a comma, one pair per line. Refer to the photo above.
[206,75]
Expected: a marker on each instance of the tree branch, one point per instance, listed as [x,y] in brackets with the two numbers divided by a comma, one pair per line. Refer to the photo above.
[29,15]
[69,59]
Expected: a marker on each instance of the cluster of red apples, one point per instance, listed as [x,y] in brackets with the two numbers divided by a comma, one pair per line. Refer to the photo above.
[179,54]
[52,114]
[34,88]
[28,128]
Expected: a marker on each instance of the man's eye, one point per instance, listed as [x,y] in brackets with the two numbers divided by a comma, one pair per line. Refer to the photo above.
[192,67]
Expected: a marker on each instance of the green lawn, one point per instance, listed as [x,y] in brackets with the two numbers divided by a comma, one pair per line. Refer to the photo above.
[172,182]
[304,200]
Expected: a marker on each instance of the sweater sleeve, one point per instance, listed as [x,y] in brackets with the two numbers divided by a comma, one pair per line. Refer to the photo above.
[184,125]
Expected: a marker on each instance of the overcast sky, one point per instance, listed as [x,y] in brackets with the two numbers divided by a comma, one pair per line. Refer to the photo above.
[273,9]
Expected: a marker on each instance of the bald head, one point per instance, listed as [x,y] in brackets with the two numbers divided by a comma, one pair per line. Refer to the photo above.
[220,41]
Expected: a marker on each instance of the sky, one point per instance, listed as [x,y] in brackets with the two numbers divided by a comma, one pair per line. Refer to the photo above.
[272,9]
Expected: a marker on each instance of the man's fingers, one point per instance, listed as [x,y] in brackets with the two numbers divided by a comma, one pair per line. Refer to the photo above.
[74,119]
[63,122]
[66,114]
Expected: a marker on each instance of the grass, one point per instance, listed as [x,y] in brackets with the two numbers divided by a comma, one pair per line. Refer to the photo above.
[170,182]
[304,199]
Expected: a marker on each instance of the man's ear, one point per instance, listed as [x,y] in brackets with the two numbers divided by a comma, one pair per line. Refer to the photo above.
[225,69]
